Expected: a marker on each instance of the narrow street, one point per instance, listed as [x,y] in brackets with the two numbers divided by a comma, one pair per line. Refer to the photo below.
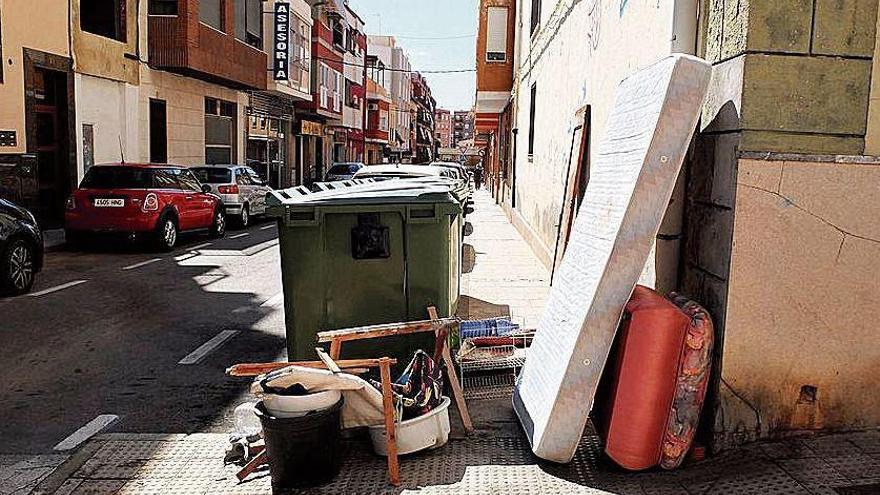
[116,342]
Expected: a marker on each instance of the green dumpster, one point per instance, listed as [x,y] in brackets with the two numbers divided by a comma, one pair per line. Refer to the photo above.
[362,253]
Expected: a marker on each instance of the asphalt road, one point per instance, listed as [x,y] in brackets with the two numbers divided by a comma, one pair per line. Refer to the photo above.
[122,331]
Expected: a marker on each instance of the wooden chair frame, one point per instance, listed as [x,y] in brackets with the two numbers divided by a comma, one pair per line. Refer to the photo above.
[336,339]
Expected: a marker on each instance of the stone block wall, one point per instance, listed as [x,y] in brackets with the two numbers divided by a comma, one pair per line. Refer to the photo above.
[791,77]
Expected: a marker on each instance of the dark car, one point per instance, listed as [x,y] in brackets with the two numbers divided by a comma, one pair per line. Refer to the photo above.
[143,200]
[21,248]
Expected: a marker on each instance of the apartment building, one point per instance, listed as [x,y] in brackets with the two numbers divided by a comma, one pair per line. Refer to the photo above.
[443,127]
[762,221]
[399,86]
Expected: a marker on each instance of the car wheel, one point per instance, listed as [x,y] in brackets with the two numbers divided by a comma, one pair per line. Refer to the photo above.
[18,272]
[218,228]
[245,218]
[166,234]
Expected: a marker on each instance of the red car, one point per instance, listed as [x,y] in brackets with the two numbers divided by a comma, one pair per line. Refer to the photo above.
[143,200]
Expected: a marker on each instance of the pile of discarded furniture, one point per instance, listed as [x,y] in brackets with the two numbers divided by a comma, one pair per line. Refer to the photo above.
[636,360]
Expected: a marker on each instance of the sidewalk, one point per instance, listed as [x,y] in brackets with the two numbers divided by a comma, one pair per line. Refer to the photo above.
[501,277]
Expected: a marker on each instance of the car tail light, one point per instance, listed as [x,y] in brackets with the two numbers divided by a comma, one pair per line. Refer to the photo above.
[71,203]
[151,202]
[233,189]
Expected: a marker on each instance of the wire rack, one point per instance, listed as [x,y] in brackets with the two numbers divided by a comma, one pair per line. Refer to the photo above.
[490,386]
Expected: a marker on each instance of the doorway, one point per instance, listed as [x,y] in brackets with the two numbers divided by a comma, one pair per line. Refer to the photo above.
[51,145]
[158,131]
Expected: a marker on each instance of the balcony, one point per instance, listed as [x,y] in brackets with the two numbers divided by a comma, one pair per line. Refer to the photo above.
[182,44]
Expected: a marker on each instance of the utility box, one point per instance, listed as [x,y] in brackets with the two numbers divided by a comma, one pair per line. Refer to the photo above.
[363,253]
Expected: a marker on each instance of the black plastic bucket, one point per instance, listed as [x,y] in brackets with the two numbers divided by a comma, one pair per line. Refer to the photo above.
[303,452]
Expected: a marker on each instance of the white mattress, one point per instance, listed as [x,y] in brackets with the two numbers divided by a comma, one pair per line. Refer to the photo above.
[632,175]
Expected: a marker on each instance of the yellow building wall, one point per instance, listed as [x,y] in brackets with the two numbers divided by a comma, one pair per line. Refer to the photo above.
[105,57]
[800,341]
[37,24]
[872,136]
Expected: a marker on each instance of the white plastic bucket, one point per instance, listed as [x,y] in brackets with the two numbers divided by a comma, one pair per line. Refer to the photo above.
[428,431]
[294,406]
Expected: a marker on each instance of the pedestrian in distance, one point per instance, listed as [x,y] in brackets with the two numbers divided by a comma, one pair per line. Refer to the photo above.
[478,177]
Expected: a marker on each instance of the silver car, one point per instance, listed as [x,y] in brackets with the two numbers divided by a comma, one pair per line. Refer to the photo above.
[241,188]
[343,171]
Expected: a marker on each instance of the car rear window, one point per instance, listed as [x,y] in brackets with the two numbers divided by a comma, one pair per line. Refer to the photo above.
[213,175]
[344,168]
[118,178]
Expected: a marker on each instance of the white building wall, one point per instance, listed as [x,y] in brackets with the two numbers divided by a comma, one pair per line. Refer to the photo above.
[111,107]
[581,53]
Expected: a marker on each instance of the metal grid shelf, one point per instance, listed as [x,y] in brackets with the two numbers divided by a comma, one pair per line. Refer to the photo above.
[496,358]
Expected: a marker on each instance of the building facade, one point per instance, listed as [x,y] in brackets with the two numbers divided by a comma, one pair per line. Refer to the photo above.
[462,128]
[399,87]
[378,129]
[424,106]
[273,142]
[324,114]
[764,218]
[37,169]
[349,137]
[443,128]
[496,45]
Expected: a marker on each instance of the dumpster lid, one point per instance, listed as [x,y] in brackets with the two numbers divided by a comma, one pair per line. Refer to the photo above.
[414,190]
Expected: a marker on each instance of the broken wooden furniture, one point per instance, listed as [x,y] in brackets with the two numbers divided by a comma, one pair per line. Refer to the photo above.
[441,328]
[384,365]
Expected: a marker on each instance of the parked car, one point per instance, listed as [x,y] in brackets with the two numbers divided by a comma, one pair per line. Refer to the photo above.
[460,170]
[241,189]
[143,200]
[402,171]
[21,248]
[343,171]
[459,188]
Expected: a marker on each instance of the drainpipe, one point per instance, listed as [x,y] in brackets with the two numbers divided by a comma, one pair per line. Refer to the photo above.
[669,240]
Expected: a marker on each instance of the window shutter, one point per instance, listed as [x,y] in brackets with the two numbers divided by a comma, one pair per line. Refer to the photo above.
[496,34]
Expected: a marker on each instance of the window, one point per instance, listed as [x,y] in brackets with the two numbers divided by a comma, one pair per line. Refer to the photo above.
[103,17]
[496,35]
[339,34]
[249,22]
[188,181]
[532,104]
[536,16]
[158,132]
[162,7]
[211,13]
[220,131]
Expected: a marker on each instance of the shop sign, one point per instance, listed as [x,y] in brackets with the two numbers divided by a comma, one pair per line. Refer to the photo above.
[281,68]
[309,128]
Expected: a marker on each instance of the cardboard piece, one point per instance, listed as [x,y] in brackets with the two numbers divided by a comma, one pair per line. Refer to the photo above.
[631,181]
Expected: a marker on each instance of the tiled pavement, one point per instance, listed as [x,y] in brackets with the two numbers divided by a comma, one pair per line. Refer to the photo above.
[502,278]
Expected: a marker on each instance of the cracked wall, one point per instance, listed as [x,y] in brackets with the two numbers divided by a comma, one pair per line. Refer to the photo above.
[800,345]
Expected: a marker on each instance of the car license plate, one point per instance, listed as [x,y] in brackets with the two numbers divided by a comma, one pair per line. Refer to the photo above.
[109,203]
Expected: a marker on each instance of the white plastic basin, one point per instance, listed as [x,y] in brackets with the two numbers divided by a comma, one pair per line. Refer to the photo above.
[427,431]
[294,406]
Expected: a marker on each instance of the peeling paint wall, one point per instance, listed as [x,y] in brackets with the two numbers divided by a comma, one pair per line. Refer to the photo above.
[577,57]
[800,343]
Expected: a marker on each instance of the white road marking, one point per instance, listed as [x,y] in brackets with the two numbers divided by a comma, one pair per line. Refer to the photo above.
[142,263]
[197,355]
[200,246]
[57,288]
[267,227]
[239,236]
[273,301]
[86,432]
